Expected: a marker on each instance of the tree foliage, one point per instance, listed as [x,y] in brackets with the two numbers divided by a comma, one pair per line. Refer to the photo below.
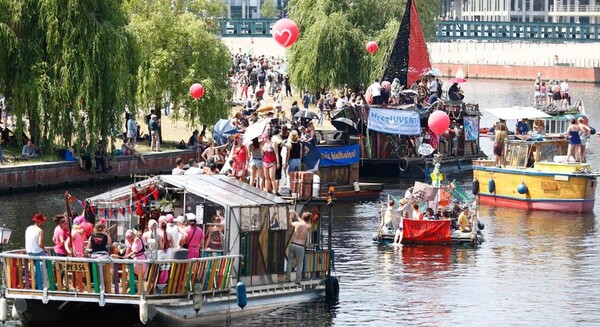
[70,68]
[268,9]
[333,34]
[178,50]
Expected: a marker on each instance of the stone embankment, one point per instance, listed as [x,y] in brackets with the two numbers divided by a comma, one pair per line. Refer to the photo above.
[577,62]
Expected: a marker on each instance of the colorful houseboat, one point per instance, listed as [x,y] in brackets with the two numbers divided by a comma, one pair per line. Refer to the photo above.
[247,272]
[535,176]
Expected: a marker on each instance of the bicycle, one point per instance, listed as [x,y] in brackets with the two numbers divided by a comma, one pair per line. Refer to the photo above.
[399,148]
[8,156]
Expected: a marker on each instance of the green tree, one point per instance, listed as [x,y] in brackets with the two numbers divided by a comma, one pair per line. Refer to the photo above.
[268,9]
[333,33]
[70,69]
[177,50]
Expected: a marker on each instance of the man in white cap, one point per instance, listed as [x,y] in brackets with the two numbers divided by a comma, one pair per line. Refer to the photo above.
[194,237]
[153,124]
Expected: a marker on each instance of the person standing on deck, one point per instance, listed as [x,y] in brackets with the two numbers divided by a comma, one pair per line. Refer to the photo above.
[194,238]
[34,245]
[298,245]
[500,138]
[375,89]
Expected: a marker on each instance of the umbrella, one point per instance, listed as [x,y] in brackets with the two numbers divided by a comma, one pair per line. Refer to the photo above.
[305,113]
[282,69]
[265,109]
[345,125]
[434,72]
[457,80]
[222,129]
[255,130]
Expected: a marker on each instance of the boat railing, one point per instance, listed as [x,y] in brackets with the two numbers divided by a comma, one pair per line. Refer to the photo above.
[112,280]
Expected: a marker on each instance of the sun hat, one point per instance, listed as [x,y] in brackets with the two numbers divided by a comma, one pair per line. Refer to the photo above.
[152,116]
[38,218]
[170,218]
[190,216]
[162,219]
[152,223]
[180,219]
[265,135]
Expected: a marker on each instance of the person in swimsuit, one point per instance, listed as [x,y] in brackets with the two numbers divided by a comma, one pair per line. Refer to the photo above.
[297,247]
[256,173]
[214,234]
[270,163]
[574,141]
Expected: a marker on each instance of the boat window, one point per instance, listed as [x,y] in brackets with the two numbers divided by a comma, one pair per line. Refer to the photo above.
[251,219]
[278,218]
[522,156]
[549,150]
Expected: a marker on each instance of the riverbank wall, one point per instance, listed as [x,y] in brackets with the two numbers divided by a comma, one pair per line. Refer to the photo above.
[47,175]
[576,62]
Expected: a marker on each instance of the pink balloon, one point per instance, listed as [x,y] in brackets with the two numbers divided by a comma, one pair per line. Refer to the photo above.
[197,90]
[438,122]
[285,32]
[372,46]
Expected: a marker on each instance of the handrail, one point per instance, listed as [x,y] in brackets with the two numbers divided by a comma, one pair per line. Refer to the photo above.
[111,279]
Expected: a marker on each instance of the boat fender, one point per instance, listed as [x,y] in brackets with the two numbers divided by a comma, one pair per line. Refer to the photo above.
[242,298]
[332,288]
[3,309]
[143,310]
[492,186]
[592,130]
[480,225]
[458,166]
[197,296]
[403,164]
[15,313]
[522,188]
[475,186]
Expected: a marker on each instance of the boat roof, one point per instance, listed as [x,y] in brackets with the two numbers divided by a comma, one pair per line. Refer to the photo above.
[517,112]
[219,189]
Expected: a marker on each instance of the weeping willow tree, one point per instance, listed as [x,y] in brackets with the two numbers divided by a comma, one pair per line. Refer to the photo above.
[179,48]
[333,34]
[71,71]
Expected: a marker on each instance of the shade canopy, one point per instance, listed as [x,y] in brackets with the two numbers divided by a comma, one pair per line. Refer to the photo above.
[517,113]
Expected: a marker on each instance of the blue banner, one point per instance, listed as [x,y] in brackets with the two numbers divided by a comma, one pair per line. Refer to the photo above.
[339,156]
[394,121]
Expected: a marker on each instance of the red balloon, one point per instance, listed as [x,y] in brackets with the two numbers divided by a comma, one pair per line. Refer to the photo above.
[372,46]
[197,90]
[285,32]
[438,122]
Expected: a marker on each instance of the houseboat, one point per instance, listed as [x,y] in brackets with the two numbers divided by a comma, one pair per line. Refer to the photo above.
[243,275]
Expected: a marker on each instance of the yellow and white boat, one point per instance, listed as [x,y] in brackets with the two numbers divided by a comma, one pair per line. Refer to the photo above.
[535,176]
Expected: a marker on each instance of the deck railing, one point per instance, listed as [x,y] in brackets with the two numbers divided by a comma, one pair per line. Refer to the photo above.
[109,280]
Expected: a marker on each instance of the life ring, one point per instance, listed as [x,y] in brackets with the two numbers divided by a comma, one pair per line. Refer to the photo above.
[403,164]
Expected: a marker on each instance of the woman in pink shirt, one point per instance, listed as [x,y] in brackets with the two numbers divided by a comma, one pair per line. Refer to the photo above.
[195,235]
[61,238]
[136,250]
[77,241]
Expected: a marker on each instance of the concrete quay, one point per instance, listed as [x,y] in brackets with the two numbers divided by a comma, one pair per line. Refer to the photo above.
[577,62]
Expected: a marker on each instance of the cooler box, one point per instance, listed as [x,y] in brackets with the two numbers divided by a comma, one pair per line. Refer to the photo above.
[302,184]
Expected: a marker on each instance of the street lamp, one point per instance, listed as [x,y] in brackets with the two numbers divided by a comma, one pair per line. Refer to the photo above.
[5,234]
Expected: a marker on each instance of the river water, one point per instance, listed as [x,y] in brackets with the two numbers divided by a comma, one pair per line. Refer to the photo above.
[535,268]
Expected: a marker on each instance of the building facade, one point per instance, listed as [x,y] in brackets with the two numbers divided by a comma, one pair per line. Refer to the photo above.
[549,11]
[250,9]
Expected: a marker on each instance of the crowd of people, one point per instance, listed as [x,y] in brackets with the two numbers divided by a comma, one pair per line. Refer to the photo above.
[554,92]
[162,239]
